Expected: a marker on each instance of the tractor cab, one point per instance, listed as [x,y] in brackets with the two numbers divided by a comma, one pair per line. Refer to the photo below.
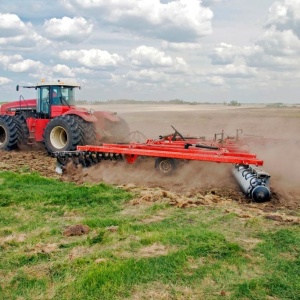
[54,99]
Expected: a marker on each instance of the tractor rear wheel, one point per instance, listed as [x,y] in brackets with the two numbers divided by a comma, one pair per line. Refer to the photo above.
[88,133]
[63,133]
[9,133]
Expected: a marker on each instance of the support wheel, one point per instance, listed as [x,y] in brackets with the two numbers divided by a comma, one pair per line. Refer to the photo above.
[63,133]
[165,166]
[9,133]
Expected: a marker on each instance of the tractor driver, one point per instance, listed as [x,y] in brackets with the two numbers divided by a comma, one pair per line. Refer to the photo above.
[55,98]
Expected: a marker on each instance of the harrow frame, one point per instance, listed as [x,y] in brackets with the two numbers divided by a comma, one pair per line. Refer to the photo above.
[169,150]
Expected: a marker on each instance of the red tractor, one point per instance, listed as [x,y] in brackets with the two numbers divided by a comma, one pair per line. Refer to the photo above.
[54,119]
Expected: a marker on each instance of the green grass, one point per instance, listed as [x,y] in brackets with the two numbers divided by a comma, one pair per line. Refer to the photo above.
[194,253]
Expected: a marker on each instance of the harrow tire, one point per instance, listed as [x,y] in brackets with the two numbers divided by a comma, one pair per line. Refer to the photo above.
[63,133]
[165,166]
[9,133]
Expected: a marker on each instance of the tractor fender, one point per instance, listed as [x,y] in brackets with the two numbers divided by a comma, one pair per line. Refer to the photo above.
[85,115]
[111,116]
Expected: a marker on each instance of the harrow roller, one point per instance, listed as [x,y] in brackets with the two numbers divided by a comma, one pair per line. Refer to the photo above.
[254,182]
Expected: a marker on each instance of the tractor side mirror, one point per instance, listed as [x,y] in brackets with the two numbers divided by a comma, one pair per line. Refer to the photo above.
[17,88]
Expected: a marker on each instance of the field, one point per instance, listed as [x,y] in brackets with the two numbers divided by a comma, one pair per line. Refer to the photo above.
[117,231]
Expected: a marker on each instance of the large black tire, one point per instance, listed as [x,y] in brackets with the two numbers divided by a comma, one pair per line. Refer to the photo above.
[118,131]
[9,133]
[63,133]
[24,131]
[88,132]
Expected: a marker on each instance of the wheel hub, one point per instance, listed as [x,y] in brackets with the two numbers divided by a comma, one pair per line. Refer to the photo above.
[2,135]
[165,166]
[58,137]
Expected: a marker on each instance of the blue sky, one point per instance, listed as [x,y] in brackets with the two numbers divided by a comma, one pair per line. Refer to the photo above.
[206,51]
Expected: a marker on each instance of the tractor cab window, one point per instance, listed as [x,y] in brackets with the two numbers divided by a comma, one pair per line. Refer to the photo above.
[68,94]
[43,100]
[62,95]
[55,98]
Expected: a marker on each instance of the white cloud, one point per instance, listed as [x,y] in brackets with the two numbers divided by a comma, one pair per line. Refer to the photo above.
[280,43]
[82,70]
[27,65]
[274,49]
[242,53]
[71,29]
[150,57]
[4,80]
[14,32]
[5,60]
[285,15]
[181,46]
[212,2]
[233,71]
[180,62]
[28,40]
[146,76]
[93,58]
[70,72]
[151,77]
[215,80]
[176,21]
[225,54]
[277,49]
[272,63]
[64,70]
[11,25]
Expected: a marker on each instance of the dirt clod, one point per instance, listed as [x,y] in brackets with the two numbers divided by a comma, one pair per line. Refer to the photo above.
[78,229]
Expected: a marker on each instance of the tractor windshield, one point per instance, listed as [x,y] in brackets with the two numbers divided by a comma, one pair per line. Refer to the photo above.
[63,95]
[54,95]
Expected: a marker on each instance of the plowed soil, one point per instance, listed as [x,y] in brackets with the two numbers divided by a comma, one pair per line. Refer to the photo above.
[196,183]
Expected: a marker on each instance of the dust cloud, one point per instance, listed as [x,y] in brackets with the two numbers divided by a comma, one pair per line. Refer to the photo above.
[188,176]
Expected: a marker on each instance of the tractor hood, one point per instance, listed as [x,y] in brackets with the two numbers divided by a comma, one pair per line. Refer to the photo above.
[10,107]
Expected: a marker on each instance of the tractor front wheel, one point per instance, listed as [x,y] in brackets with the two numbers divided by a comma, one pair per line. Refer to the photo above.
[63,133]
[9,133]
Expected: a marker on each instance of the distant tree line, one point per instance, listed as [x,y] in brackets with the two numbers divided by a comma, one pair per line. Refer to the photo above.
[129,101]
[278,104]
[232,103]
